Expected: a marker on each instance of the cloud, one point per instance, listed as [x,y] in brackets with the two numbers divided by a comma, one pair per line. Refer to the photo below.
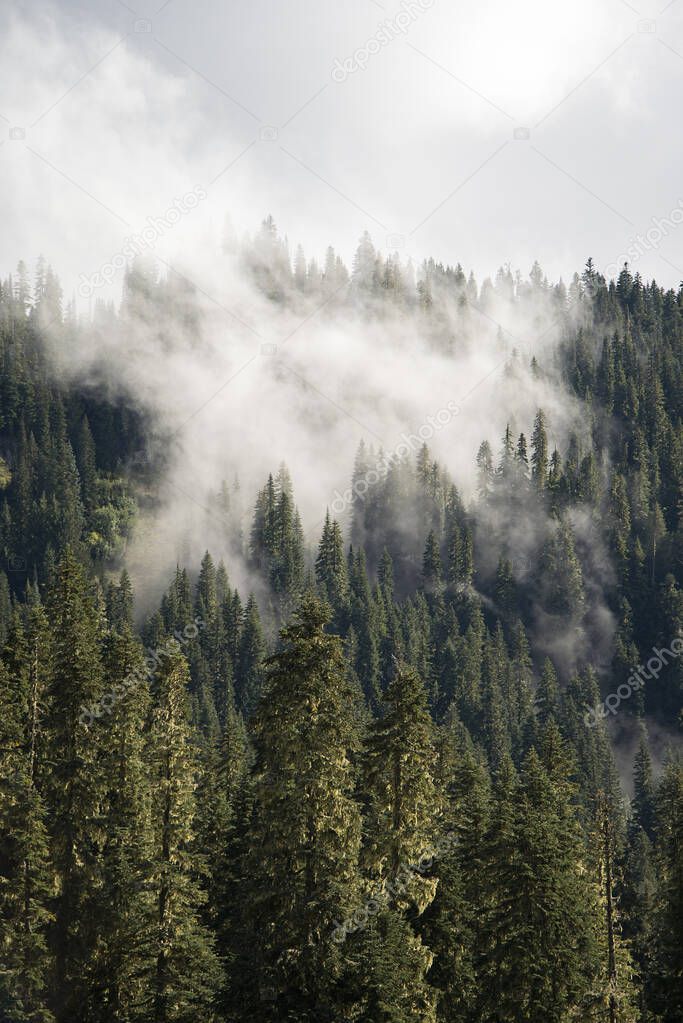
[102,133]
[421,144]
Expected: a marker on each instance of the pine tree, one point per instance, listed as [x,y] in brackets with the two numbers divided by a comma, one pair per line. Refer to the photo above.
[305,832]
[206,595]
[638,901]
[667,993]
[25,868]
[262,541]
[250,654]
[539,451]
[643,788]
[431,565]
[547,703]
[363,620]
[221,786]
[495,729]
[561,575]
[539,913]
[448,925]
[87,467]
[288,568]
[394,967]
[404,820]
[505,464]
[485,470]
[75,788]
[228,844]
[184,976]
[522,458]
[331,571]
[120,604]
[126,908]
[359,489]
[405,803]
[363,265]
[613,992]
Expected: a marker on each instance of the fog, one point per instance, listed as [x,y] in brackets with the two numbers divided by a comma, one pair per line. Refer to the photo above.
[107,143]
[124,106]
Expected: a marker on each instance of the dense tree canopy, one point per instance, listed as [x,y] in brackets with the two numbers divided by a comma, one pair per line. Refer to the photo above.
[379,787]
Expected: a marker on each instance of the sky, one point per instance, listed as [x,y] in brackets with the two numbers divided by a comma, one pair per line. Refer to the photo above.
[480,132]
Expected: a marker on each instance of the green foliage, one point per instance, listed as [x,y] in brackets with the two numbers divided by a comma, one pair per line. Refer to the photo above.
[182,841]
[184,974]
[302,863]
[25,868]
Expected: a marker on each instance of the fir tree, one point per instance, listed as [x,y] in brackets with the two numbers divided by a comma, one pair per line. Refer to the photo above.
[643,788]
[184,975]
[250,654]
[539,451]
[126,908]
[305,832]
[540,907]
[331,572]
[667,991]
[25,868]
[405,803]
[75,791]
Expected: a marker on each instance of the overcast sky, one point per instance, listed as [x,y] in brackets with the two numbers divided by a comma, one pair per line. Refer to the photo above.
[483,132]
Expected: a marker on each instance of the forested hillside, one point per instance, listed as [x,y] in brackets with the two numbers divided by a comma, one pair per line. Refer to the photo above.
[424,767]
